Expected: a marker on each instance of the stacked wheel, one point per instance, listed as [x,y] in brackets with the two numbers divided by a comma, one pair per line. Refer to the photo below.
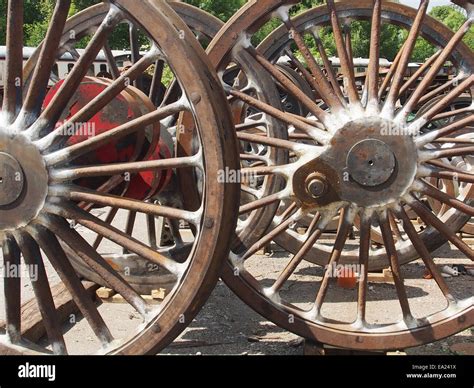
[345,171]
[54,182]
[362,162]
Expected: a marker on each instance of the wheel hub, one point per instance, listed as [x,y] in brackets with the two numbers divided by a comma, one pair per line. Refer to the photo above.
[364,164]
[11,179]
[371,162]
[23,182]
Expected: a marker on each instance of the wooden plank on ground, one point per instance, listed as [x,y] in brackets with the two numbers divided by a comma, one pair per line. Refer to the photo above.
[32,327]
[108,295]
[385,277]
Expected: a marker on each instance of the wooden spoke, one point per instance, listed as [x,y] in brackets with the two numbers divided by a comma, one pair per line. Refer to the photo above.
[314,223]
[419,72]
[440,89]
[439,195]
[424,254]
[445,166]
[395,266]
[104,199]
[269,141]
[55,253]
[391,71]
[445,101]
[430,219]
[109,219]
[373,70]
[114,70]
[260,170]
[346,219]
[12,99]
[302,69]
[41,288]
[434,70]
[297,259]
[347,31]
[135,50]
[151,231]
[364,249]
[100,101]
[400,71]
[445,131]
[113,234]
[452,175]
[347,68]
[67,175]
[95,261]
[131,219]
[155,87]
[317,80]
[12,289]
[451,152]
[449,114]
[265,240]
[74,151]
[291,87]
[259,203]
[328,67]
[252,126]
[48,55]
[51,114]
[313,131]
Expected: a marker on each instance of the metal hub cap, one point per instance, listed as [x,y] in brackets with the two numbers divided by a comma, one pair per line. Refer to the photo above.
[11,179]
[23,182]
[371,162]
[361,166]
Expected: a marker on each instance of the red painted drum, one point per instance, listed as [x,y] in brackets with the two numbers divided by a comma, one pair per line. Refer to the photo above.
[145,144]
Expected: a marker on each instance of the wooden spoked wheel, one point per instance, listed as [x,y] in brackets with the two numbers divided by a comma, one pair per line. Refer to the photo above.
[51,184]
[136,270]
[355,164]
[160,87]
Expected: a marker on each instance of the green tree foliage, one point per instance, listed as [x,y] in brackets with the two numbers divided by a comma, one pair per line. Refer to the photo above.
[223,9]
[454,19]
[36,18]
[33,15]
[38,14]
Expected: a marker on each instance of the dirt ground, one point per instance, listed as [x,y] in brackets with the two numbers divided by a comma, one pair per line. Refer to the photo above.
[227,326]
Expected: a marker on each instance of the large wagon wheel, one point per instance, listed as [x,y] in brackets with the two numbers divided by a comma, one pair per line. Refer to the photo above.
[279,43]
[134,269]
[463,105]
[41,192]
[355,169]
[138,272]
[253,220]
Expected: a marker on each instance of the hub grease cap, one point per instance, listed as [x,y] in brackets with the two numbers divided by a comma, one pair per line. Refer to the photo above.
[11,179]
[371,162]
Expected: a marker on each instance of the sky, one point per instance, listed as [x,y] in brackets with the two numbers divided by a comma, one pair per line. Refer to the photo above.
[433,3]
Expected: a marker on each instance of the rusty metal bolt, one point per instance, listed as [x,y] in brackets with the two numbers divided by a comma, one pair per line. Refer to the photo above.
[317,187]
